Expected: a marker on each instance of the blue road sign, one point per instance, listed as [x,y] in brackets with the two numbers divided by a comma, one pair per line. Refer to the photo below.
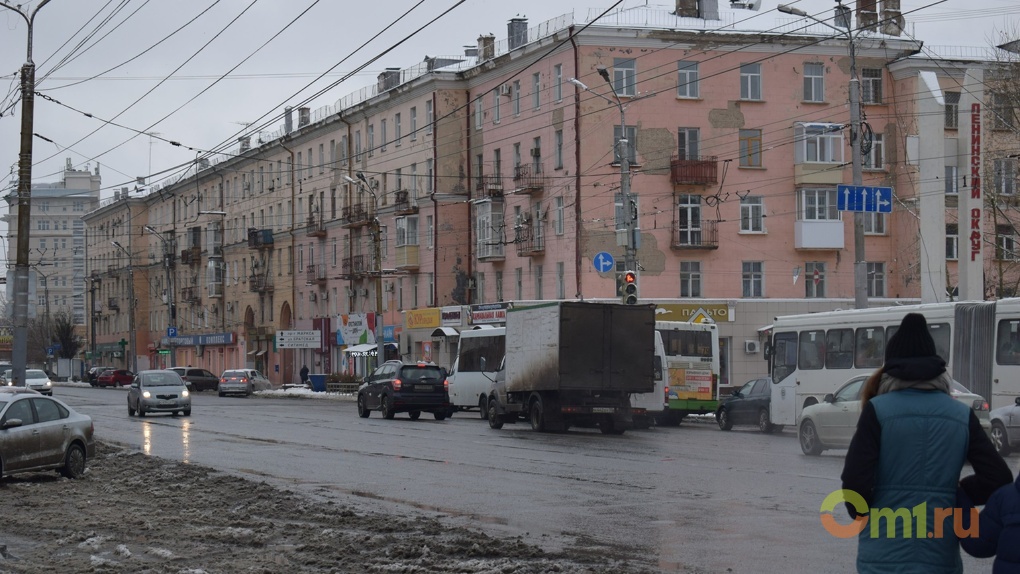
[171,331]
[864,198]
[603,262]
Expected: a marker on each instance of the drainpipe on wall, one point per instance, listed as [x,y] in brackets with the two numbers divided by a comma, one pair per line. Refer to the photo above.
[470,246]
[577,170]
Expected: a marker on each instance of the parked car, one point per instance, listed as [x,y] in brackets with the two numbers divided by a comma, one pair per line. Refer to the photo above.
[749,405]
[114,378]
[236,382]
[197,379]
[93,374]
[158,391]
[259,382]
[42,433]
[405,387]
[1005,431]
[832,422]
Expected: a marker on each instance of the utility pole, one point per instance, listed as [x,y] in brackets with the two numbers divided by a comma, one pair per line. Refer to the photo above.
[19,355]
[860,262]
[131,306]
[380,356]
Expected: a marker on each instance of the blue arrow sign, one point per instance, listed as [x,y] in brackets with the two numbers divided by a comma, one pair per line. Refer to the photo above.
[871,199]
[171,331]
[603,262]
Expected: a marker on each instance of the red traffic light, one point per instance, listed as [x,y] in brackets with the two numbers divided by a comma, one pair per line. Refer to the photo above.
[630,288]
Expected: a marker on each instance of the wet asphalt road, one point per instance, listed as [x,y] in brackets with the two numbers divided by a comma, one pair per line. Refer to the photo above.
[691,498]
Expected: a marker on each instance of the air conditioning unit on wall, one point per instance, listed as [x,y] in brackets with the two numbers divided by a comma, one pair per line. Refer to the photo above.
[751,347]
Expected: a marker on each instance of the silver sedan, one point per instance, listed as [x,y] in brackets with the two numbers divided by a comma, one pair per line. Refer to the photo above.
[42,433]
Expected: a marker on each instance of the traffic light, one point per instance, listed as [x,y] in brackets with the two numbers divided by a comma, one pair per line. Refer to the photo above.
[630,288]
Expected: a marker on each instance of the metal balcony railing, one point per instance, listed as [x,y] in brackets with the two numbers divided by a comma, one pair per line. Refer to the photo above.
[701,235]
[703,170]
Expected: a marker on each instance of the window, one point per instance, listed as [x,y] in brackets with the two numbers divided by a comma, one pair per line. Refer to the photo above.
[876,279]
[625,76]
[690,279]
[1002,112]
[495,106]
[814,282]
[839,348]
[871,86]
[558,82]
[687,143]
[812,350]
[874,223]
[558,150]
[688,220]
[817,205]
[753,278]
[322,159]
[536,91]
[428,116]
[431,289]
[952,109]
[428,175]
[343,155]
[414,124]
[499,286]
[515,98]
[750,148]
[750,81]
[538,282]
[478,113]
[429,231]
[382,135]
[814,82]
[518,283]
[371,140]
[875,158]
[631,145]
[558,215]
[407,231]
[951,175]
[818,143]
[952,241]
[414,180]
[752,214]
[396,130]
[561,287]
[489,229]
[357,147]
[1005,176]
[1005,243]
[687,79]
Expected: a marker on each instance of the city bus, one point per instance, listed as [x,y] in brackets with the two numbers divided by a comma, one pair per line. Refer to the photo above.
[811,355]
[689,383]
[479,356]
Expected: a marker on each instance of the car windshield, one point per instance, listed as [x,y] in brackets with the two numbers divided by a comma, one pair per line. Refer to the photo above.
[35,374]
[417,373]
[161,380]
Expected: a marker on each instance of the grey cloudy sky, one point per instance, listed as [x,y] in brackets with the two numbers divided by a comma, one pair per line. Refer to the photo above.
[173,88]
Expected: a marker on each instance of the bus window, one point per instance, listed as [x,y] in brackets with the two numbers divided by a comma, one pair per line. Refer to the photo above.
[1007,338]
[869,347]
[940,333]
[785,355]
[812,350]
[839,349]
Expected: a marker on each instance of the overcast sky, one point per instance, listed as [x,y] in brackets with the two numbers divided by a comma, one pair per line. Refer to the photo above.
[172,88]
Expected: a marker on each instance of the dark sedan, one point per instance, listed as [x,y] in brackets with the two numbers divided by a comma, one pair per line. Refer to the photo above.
[197,379]
[42,433]
[749,405]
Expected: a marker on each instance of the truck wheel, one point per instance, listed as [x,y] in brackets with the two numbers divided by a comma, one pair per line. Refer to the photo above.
[495,422]
[537,416]
[482,407]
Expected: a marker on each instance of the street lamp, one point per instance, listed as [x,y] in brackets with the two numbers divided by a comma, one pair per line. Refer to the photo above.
[19,348]
[860,264]
[376,241]
[171,310]
[131,307]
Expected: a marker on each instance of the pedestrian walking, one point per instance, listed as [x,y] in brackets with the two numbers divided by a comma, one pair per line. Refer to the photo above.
[999,530]
[304,374]
[909,449]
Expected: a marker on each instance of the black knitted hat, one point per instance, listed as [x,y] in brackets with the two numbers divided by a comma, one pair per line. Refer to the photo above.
[912,339]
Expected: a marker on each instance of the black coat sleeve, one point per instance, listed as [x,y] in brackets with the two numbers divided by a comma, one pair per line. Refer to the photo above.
[990,471]
[862,458]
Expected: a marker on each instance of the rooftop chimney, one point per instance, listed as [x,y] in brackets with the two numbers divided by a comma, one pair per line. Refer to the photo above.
[389,79]
[486,47]
[288,124]
[892,18]
[245,142]
[517,31]
[704,9]
[867,14]
[304,116]
[203,163]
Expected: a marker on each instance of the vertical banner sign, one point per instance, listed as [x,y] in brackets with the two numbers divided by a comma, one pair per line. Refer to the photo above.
[970,263]
[975,178]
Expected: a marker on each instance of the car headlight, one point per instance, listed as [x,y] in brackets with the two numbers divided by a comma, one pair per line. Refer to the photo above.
[185,393]
[146,395]
[49,383]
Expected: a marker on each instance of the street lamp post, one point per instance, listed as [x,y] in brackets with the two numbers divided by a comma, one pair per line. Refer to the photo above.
[376,244]
[860,264]
[131,307]
[171,315]
[19,354]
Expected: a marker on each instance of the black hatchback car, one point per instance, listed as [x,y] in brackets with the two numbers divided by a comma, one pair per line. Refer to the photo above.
[405,387]
[749,405]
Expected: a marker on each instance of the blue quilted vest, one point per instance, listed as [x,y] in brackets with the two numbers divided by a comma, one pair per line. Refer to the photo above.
[924,442]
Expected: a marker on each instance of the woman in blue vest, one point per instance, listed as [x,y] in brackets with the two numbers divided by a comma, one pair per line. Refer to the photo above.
[907,454]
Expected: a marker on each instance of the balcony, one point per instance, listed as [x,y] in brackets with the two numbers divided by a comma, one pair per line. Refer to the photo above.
[354,216]
[215,289]
[260,284]
[529,178]
[113,269]
[315,274]
[407,257]
[701,171]
[316,227]
[347,268]
[404,204]
[527,244]
[191,295]
[701,235]
[490,185]
[112,304]
[95,275]
[191,256]
[260,238]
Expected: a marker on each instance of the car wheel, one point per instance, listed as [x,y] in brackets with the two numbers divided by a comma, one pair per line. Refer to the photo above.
[483,407]
[74,462]
[999,438]
[723,418]
[809,442]
[495,422]
[386,409]
[537,416]
[131,411]
[440,416]
[363,411]
[414,415]
[764,424]
[187,412]
[141,410]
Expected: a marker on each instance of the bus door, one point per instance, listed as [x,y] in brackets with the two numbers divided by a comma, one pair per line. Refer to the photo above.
[784,380]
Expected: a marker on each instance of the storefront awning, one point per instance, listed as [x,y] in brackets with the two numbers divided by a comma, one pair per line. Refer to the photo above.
[260,353]
[445,332]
